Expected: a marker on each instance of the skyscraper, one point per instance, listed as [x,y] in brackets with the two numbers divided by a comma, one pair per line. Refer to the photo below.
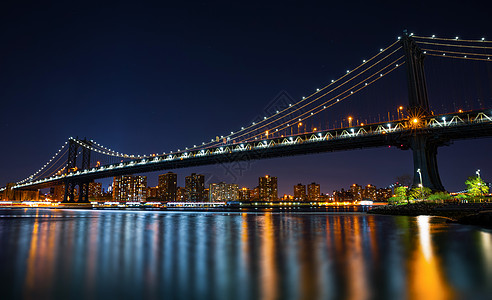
[195,186]
[299,192]
[268,188]
[130,188]
[168,185]
[313,192]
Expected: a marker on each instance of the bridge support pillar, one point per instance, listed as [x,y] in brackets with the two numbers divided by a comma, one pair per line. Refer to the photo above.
[68,197]
[425,158]
[83,192]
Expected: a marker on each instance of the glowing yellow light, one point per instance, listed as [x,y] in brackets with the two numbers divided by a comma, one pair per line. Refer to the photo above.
[300,124]
[350,118]
[400,108]
[314,128]
[415,120]
[460,111]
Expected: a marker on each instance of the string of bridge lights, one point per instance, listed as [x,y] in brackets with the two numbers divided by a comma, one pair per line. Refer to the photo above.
[433,37]
[44,166]
[245,130]
[455,54]
[54,165]
[323,95]
[365,83]
[349,92]
[463,55]
[107,151]
[454,45]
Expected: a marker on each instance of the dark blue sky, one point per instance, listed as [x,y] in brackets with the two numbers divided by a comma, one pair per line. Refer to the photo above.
[144,78]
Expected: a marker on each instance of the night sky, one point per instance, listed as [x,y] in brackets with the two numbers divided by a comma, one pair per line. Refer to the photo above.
[145,78]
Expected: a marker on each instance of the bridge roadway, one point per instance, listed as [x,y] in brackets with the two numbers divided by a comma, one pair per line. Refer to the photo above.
[442,129]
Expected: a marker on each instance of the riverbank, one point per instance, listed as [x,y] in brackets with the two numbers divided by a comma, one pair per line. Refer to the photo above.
[479,214]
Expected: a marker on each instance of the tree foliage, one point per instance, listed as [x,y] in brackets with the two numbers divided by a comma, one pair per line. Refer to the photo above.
[476,186]
[439,196]
[420,193]
[402,192]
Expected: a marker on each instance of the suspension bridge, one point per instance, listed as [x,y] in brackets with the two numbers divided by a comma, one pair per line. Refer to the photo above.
[302,127]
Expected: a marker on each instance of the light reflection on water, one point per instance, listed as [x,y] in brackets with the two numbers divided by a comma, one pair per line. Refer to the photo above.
[188,255]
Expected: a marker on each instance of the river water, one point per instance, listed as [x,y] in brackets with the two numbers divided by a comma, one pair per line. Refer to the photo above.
[87,254]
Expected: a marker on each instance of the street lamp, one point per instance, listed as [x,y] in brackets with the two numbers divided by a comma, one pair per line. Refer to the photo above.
[421,185]
[350,121]
[478,173]
[400,109]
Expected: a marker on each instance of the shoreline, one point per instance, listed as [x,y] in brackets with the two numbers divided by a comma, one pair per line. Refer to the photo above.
[478,214]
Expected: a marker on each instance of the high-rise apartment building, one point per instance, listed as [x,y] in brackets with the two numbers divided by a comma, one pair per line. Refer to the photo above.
[313,192]
[299,192]
[268,188]
[130,188]
[369,192]
[195,186]
[168,185]
[244,194]
[356,191]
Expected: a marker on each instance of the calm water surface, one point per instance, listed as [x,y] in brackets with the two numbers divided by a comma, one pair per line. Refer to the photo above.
[77,254]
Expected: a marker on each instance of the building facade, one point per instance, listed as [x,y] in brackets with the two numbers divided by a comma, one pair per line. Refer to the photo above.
[181,195]
[129,188]
[356,192]
[223,192]
[299,192]
[195,187]
[268,188]
[95,190]
[313,192]
[244,194]
[168,186]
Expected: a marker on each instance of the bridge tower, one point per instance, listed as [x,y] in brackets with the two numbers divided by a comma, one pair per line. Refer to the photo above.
[86,163]
[71,165]
[73,147]
[423,145]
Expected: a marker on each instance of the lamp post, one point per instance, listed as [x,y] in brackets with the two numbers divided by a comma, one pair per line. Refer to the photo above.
[398,110]
[421,185]
[479,183]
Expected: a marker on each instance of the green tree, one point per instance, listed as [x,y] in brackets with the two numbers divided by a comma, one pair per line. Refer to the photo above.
[419,193]
[401,193]
[439,196]
[476,186]
[462,197]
